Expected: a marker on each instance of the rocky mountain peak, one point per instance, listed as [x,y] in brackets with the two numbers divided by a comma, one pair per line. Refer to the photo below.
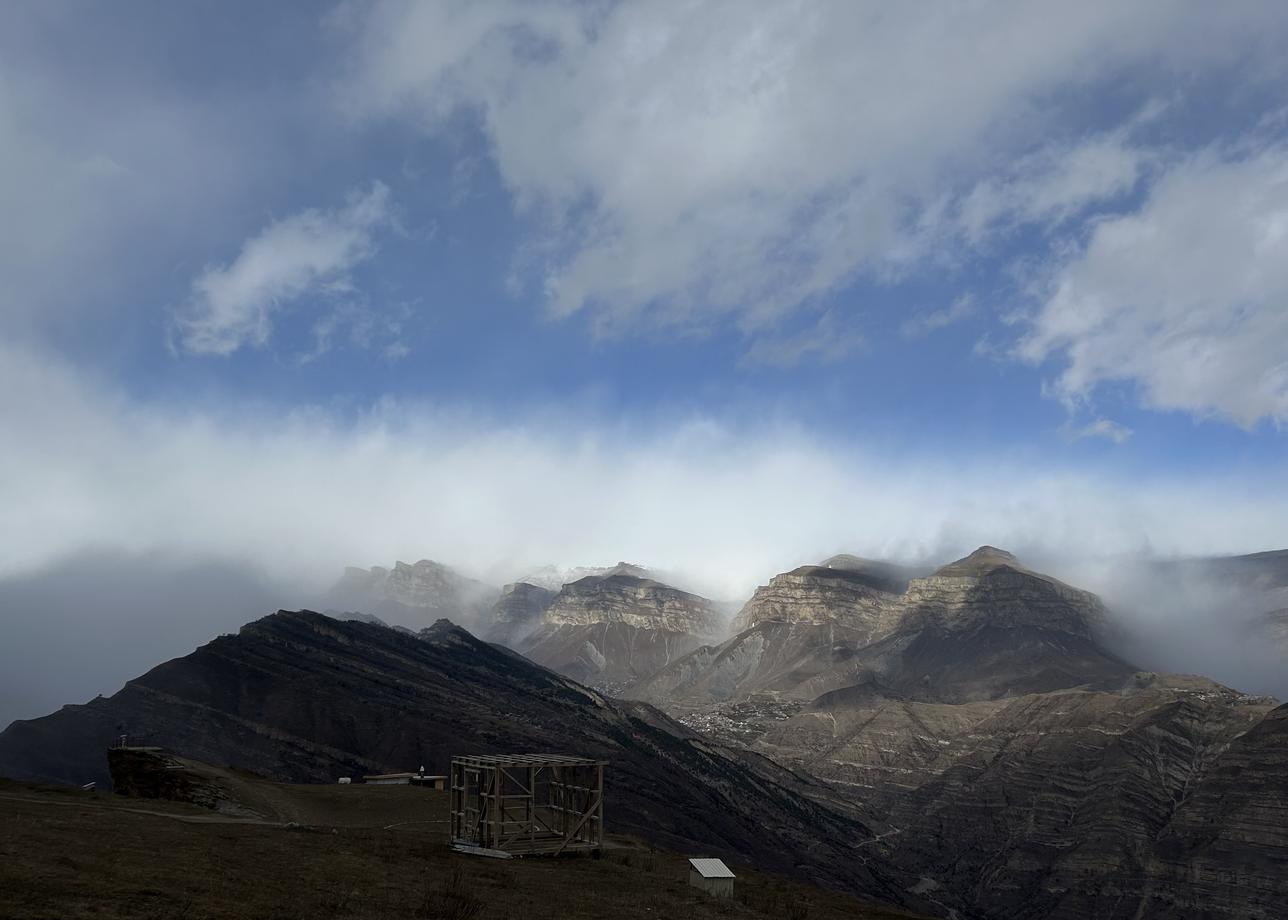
[412,594]
[820,594]
[982,560]
[991,587]
[619,597]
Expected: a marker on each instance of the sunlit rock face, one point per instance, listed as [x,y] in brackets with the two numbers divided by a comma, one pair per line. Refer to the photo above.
[979,628]
[611,629]
[633,601]
[987,587]
[818,595]
[991,588]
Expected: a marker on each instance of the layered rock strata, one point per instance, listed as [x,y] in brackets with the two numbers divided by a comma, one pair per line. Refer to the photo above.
[614,629]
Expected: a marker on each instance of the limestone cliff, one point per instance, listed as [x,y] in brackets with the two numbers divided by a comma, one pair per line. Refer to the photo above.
[633,601]
[980,628]
[613,629]
[818,595]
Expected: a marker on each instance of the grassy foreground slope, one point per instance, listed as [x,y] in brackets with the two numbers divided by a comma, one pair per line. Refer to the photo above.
[69,854]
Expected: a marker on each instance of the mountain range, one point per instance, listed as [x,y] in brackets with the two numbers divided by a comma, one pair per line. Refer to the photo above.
[966,741]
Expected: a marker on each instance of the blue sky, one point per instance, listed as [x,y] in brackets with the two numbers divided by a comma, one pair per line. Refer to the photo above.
[533,282]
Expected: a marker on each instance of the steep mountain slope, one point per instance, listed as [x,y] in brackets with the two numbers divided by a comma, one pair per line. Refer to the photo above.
[609,630]
[413,595]
[1021,769]
[1224,853]
[888,576]
[1056,804]
[980,628]
[302,697]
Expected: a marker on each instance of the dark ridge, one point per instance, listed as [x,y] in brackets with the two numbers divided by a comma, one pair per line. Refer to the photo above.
[300,697]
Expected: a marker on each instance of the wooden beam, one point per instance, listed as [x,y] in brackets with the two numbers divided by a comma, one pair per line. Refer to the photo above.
[593,807]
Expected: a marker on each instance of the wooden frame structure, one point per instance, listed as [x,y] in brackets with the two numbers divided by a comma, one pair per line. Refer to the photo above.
[524,804]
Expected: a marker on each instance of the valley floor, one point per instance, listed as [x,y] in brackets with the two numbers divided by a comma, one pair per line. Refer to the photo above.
[339,853]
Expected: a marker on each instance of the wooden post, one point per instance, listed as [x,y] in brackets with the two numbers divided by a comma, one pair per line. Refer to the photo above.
[599,798]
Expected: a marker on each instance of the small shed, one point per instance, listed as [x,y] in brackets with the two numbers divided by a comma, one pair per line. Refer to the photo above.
[712,876]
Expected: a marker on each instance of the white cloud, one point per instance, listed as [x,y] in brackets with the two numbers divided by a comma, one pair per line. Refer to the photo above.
[827,341]
[1186,300]
[1052,185]
[925,323]
[309,253]
[1105,428]
[301,494]
[687,162]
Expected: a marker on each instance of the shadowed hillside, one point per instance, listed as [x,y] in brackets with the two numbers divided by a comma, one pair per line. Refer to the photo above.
[301,697]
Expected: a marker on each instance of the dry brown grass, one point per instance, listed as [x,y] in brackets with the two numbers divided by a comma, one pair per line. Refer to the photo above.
[67,854]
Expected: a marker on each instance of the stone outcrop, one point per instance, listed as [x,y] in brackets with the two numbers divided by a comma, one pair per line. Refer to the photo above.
[819,595]
[632,601]
[155,774]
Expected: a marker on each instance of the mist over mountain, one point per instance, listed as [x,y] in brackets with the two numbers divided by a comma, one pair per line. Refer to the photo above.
[979,719]
[84,626]
[98,618]
[869,416]
[1203,615]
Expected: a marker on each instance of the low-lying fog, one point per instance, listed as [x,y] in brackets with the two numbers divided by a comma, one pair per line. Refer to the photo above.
[1191,617]
[130,533]
[83,627]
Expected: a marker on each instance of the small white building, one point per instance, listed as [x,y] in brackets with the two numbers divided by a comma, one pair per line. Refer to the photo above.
[712,876]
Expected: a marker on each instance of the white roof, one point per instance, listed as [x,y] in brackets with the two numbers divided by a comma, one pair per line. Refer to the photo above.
[711,868]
